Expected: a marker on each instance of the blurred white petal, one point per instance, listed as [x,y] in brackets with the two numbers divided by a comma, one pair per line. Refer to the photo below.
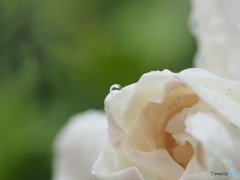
[77,146]
[216,25]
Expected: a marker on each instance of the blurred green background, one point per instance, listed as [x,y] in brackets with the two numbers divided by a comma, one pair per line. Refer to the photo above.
[60,57]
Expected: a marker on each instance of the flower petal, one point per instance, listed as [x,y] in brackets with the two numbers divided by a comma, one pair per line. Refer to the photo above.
[196,164]
[158,162]
[216,27]
[221,94]
[196,176]
[115,104]
[145,88]
[78,145]
[176,123]
[215,137]
[105,167]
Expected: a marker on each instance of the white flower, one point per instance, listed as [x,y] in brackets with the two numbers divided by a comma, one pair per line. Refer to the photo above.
[77,146]
[216,25]
[172,126]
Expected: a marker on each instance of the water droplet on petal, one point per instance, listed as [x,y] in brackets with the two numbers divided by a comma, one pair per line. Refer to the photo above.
[115,87]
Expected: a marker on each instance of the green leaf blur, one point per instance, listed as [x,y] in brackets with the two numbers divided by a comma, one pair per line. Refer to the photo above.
[60,57]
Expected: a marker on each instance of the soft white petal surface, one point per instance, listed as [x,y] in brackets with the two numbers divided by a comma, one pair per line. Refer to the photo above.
[105,167]
[77,146]
[116,104]
[223,95]
[215,137]
[216,25]
[145,88]
[158,162]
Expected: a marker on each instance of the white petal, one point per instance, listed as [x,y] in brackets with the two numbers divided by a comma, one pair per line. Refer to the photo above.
[176,123]
[221,94]
[116,104]
[196,176]
[78,145]
[215,23]
[105,167]
[158,162]
[136,140]
[117,101]
[215,137]
[148,122]
[122,162]
[135,96]
[196,164]
[174,96]
[145,88]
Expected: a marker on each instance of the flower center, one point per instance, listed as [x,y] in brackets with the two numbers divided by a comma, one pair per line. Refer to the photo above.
[181,154]
[171,124]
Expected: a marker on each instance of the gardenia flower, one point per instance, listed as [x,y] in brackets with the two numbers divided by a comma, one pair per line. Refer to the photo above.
[167,126]
[216,26]
[171,126]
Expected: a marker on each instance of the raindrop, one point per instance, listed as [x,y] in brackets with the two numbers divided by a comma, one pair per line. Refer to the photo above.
[115,87]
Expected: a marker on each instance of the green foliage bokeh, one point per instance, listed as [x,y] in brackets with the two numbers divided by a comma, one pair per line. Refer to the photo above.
[60,57]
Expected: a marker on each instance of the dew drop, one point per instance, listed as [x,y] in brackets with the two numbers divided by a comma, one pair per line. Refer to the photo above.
[115,87]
